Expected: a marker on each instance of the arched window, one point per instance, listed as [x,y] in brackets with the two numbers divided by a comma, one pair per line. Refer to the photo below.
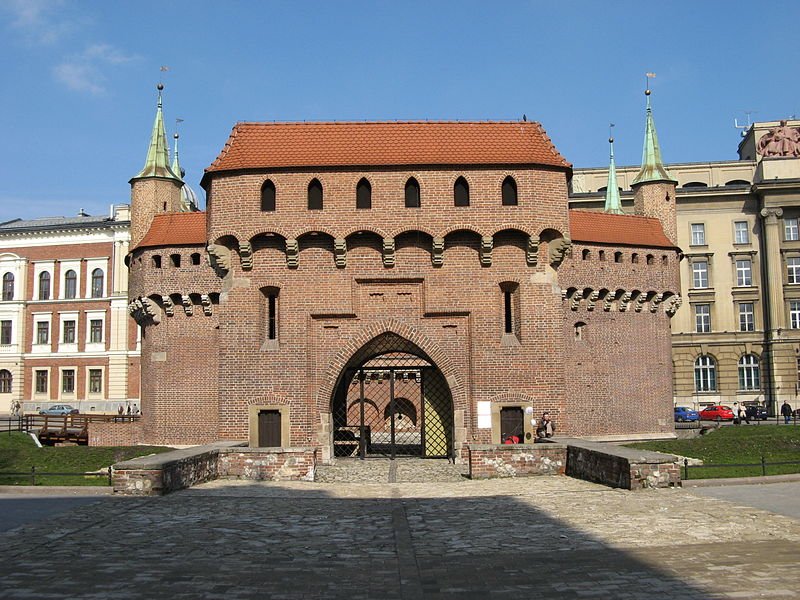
[8,286]
[268,196]
[70,285]
[509,191]
[364,194]
[461,192]
[705,374]
[635,258]
[315,195]
[580,331]
[585,255]
[412,193]
[97,283]
[44,285]
[650,259]
[601,254]
[749,373]
[195,258]
[617,257]
[5,381]
[156,261]
[175,259]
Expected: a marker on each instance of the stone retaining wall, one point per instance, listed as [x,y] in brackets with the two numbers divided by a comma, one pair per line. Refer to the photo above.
[516,460]
[164,473]
[621,467]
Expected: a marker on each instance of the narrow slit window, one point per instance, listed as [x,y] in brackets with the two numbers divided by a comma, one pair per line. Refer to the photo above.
[461,192]
[364,194]
[272,317]
[508,311]
[412,193]
[315,195]
[509,191]
[268,196]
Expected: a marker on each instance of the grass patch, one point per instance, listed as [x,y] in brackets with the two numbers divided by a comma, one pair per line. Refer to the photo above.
[736,445]
[18,453]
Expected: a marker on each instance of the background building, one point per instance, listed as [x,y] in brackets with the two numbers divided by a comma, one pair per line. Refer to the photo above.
[737,337]
[65,334]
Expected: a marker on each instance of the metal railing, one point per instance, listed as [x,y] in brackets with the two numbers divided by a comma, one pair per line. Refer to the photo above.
[763,464]
[33,474]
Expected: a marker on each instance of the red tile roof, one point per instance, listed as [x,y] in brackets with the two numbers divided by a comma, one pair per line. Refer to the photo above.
[606,228]
[343,144]
[176,229]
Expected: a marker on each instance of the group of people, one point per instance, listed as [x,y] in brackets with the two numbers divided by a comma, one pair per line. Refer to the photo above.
[740,414]
[130,411]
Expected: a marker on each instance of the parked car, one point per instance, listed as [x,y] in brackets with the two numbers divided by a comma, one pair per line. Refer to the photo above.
[59,410]
[757,412]
[716,412]
[683,414]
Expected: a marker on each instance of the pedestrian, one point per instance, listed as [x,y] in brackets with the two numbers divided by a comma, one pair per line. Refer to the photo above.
[743,416]
[135,409]
[120,410]
[786,412]
[735,411]
[546,427]
[129,409]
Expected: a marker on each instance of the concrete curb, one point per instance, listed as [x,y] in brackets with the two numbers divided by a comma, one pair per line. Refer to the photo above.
[55,490]
[694,483]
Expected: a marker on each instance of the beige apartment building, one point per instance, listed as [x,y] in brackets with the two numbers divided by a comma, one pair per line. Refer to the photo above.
[736,337]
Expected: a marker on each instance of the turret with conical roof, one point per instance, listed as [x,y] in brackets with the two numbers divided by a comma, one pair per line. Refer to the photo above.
[613,202]
[156,188]
[653,187]
[188,197]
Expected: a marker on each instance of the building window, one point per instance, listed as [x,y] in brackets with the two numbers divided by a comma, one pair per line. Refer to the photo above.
[702,318]
[98,280]
[70,285]
[705,374]
[41,382]
[156,261]
[618,257]
[511,308]
[794,314]
[749,374]
[746,317]
[586,254]
[272,317]
[364,194]
[580,331]
[8,286]
[68,381]
[5,381]
[793,269]
[700,274]
[175,259]
[268,196]
[42,332]
[461,192]
[601,255]
[635,258]
[744,273]
[741,232]
[44,285]
[195,258]
[69,332]
[95,381]
[509,191]
[412,193]
[790,230]
[96,331]
[5,333]
[315,195]
[698,234]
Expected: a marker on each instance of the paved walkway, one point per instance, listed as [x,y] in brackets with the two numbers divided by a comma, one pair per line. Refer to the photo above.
[545,537]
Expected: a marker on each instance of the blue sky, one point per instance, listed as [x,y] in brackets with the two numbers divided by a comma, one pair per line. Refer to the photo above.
[78,86]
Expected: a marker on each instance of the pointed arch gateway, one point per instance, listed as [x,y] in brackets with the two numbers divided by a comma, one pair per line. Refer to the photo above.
[391,399]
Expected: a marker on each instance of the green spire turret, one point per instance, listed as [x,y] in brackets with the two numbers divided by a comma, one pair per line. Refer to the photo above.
[176,165]
[613,202]
[652,167]
[157,162]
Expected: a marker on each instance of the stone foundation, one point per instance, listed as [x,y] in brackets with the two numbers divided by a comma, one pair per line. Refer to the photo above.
[516,460]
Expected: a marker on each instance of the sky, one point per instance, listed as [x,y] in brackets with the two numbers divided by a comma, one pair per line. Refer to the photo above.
[78,86]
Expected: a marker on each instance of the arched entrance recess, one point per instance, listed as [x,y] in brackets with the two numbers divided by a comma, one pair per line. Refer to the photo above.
[392,400]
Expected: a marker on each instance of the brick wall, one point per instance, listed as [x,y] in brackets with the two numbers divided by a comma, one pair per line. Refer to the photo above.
[271,464]
[128,433]
[516,460]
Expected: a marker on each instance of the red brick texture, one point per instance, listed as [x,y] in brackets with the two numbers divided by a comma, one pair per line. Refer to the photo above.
[128,433]
[516,460]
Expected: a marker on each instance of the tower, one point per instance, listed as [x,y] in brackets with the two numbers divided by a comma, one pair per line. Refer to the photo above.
[653,187]
[156,188]
[613,202]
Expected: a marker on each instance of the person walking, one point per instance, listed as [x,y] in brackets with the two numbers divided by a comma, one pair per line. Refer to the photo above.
[786,412]
[743,414]
[735,411]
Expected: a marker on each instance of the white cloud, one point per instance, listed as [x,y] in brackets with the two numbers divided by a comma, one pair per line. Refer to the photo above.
[83,72]
[38,20]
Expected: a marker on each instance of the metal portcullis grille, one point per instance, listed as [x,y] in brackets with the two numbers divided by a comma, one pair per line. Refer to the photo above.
[394,404]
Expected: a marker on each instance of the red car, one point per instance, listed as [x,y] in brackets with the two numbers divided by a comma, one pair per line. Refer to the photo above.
[716,412]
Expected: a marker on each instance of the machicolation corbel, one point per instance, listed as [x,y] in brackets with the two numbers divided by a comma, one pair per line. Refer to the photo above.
[593,297]
[532,252]
[205,300]
[220,258]
[673,304]
[657,299]
[144,310]
[487,244]
[169,306]
[576,300]
[246,255]
[388,252]
[558,250]
[188,308]
[437,256]
[292,254]
[340,252]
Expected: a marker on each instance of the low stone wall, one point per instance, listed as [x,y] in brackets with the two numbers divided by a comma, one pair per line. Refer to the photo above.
[273,464]
[164,473]
[516,460]
[621,467]
[125,433]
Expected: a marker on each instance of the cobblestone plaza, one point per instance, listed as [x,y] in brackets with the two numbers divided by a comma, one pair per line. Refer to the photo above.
[548,537]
